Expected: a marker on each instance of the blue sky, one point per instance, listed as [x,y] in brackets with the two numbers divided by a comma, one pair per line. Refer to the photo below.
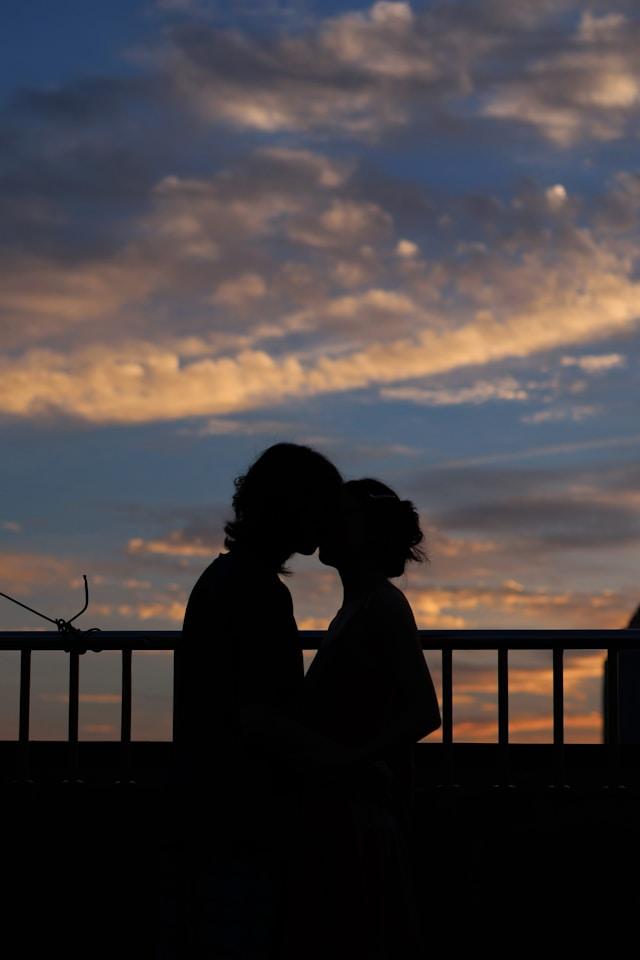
[406,234]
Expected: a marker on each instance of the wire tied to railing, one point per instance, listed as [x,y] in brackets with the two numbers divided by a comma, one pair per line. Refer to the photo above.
[64,626]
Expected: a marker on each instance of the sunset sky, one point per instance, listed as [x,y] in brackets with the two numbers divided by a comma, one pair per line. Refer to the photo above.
[406,234]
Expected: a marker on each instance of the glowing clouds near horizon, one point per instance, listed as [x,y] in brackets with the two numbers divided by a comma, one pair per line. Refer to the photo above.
[144,383]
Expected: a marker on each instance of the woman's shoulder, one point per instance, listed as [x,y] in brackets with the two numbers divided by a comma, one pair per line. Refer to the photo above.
[388,602]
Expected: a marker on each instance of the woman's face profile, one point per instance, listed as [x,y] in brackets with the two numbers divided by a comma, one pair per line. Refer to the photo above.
[309,518]
[344,538]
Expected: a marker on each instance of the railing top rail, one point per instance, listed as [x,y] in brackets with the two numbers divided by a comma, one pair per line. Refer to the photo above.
[500,639]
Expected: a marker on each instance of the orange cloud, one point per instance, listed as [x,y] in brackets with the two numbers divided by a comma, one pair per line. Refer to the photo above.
[98,728]
[46,299]
[145,382]
[533,728]
[313,623]
[21,571]
[174,546]
[172,610]
[542,608]
[153,609]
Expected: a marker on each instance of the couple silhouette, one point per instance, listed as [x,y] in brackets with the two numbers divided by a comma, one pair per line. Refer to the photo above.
[295,791]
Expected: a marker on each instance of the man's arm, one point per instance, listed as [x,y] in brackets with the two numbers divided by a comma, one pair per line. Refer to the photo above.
[273,732]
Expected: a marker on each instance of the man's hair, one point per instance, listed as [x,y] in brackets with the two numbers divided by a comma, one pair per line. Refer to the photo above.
[283,476]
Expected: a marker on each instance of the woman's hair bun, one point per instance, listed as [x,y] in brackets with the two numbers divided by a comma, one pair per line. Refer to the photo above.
[393,525]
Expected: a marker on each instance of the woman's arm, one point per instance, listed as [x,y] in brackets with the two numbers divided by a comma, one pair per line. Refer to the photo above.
[274,732]
[397,642]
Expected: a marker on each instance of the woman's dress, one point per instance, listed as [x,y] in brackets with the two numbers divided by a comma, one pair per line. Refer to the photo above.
[350,885]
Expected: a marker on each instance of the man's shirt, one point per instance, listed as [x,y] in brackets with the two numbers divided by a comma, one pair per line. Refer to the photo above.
[239,646]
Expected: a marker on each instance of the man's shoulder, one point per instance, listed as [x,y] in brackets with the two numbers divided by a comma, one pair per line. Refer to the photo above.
[218,579]
[220,569]
[232,583]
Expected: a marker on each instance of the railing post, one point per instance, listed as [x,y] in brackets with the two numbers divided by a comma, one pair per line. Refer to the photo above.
[503,717]
[613,717]
[558,719]
[125,719]
[74,697]
[25,700]
[447,715]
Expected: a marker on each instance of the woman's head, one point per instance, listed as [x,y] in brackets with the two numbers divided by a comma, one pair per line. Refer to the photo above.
[281,504]
[375,529]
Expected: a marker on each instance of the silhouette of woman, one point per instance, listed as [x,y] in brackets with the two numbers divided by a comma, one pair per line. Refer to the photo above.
[370,689]
[237,673]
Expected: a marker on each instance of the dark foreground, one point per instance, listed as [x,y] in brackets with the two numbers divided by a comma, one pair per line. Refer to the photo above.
[91,869]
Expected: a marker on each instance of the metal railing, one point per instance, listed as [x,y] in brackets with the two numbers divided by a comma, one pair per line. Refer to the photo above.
[445,641]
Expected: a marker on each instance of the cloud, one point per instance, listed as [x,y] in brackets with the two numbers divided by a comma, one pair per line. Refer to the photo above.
[579,482]
[176,544]
[561,521]
[141,382]
[355,72]
[532,728]
[588,90]
[617,209]
[441,544]
[460,607]
[556,196]
[204,244]
[44,299]
[312,623]
[498,541]
[576,414]
[460,483]
[88,243]
[229,295]
[179,538]
[341,225]
[580,670]
[363,73]
[165,611]
[549,450]
[376,451]
[485,523]
[481,392]
[11,526]
[245,428]
[597,363]
[244,289]
[77,164]
[19,572]
[383,311]
[530,695]
[406,248]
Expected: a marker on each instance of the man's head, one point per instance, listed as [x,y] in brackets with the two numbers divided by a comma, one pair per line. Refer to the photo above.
[283,502]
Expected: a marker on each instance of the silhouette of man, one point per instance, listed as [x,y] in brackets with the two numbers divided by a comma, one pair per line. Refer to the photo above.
[238,674]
